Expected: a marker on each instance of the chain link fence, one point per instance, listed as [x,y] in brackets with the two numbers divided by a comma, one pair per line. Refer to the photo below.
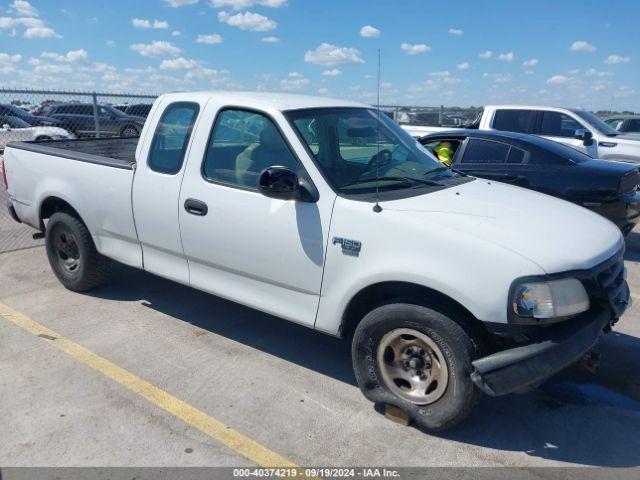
[432,116]
[37,115]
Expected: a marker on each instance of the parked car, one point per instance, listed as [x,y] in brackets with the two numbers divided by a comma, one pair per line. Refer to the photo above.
[574,127]
[608,188]
[625,123]
[138,110]
[34,121]
[13,129]
[445,285]
[79,118]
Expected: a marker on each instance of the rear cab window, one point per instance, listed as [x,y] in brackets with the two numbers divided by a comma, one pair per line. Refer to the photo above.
[514,120]
[171,138]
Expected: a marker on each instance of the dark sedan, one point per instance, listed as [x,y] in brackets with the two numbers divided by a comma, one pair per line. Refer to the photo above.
[607,187]
[33,120]
[79,118]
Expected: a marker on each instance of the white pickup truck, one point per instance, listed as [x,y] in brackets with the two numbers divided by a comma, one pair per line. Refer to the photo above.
[326,213]
[572,126]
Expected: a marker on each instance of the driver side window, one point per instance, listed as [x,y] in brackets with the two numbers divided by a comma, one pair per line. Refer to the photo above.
[241,146]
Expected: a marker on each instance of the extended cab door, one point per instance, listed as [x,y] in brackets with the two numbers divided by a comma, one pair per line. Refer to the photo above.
[561,127]
[263,252]
[162,154]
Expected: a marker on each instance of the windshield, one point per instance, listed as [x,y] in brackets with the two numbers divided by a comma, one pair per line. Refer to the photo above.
[359,149]
[597,123]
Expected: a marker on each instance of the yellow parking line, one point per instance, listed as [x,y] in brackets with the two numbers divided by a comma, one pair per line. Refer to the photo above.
[217,430]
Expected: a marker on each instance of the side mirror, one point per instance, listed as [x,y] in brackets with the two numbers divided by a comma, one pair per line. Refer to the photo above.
[279,182]
[585,135]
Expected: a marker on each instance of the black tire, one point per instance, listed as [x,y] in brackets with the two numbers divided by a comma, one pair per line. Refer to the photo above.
[460,395]
[130,131]
[72,254]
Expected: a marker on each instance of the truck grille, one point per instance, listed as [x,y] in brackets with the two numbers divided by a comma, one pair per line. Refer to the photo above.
[610,284]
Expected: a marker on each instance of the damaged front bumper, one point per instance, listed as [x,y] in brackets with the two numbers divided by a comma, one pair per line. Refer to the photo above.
[527,365]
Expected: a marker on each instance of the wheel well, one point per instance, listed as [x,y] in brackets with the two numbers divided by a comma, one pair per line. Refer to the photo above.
[382,293]
[52,205]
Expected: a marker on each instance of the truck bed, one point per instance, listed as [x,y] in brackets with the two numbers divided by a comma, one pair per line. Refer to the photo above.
[111,152]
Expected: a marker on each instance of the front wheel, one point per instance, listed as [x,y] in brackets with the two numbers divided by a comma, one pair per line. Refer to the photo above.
[416,359]
[72,254]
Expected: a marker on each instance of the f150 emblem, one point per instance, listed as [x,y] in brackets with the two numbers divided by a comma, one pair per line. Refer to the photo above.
[349,247]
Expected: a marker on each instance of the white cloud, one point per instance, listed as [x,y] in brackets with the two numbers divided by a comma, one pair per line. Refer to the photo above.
[180,3]
[157,48]
[614,59]
[295,75]
[557,80]
[330,55]
[23,8]
[179,63]
[72,56]
[176,33]
[592,72]
[110,43]
[582,46]
[253,22]
[411,49]
[455,31]
[156,24]
[463,66]
[507,57]
[296,84]
[369,32]
[531,62]
[334,72]
[442,73]
[244,4]
[6,58]
[270,39]
[210,39]
[485,54]
[40,32]
[323,91]
[529,72]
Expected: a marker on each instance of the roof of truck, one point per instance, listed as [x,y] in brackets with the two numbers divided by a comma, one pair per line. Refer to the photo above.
[277,101]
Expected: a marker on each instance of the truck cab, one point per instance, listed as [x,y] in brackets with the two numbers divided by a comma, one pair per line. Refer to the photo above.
[572,126]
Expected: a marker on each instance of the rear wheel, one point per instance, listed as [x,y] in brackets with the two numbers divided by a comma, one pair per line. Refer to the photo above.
[72,254]
[419,360]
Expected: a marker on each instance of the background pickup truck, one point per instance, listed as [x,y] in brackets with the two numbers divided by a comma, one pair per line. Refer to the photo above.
[571,126]
[327,213]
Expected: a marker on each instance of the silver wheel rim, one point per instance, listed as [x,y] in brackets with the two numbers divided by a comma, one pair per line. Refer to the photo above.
[412,366]
[66,250]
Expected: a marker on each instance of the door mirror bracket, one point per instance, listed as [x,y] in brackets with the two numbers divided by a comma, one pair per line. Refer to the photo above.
[283,183]
[585,135]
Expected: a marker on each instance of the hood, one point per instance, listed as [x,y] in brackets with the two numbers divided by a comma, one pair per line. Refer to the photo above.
[626,138]
[556,235]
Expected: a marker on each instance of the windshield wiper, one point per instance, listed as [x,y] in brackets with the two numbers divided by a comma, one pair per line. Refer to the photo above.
[407,180]
[444,169]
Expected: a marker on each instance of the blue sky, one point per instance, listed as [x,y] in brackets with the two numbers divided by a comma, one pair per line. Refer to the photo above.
[564,52]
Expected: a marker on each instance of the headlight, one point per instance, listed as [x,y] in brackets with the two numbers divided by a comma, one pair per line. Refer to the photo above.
[554,299]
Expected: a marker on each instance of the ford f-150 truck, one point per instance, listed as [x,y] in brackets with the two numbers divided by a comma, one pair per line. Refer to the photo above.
[572,126]
[326,213]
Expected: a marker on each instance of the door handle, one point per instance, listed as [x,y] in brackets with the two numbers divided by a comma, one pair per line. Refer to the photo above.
[195,207]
